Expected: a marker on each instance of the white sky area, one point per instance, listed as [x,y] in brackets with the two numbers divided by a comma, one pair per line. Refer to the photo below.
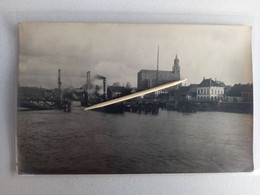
[120,51]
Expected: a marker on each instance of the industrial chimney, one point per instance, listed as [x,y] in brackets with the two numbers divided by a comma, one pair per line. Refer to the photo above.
[59,85]
[104,88]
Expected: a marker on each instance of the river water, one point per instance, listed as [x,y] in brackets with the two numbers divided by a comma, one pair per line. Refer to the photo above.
[93,142]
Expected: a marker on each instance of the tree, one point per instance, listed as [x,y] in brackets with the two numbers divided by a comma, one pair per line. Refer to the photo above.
[128,85]
[116,84]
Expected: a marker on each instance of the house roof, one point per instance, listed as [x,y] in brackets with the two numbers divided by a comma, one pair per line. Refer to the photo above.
[189,89]
[209,83]
[184,89]
[238,88]
[193,87]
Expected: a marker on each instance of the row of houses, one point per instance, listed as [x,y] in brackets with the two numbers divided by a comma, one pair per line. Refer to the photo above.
[213,90]
[208,90]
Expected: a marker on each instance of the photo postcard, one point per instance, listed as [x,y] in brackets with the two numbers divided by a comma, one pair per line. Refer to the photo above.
[204,125]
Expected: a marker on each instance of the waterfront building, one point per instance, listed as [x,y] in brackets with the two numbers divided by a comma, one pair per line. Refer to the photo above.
[210,90]
[187,93]
[150,78]
[240,93]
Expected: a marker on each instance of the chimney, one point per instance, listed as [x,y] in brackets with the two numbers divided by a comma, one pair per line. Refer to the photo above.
[59,85]
[104,88]
[88,79]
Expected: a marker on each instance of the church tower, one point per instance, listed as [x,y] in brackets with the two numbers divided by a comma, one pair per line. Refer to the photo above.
[176,69]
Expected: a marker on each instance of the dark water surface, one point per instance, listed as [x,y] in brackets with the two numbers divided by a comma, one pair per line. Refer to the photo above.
[172,142]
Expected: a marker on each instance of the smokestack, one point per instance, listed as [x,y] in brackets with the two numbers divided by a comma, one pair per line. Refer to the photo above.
[88,79]
[99,76]
[104,84]
[59,85]
[104,88]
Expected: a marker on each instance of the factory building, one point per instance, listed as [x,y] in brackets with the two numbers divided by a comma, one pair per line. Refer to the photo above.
[150,78]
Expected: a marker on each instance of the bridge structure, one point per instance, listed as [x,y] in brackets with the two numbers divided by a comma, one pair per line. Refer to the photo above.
[41,104]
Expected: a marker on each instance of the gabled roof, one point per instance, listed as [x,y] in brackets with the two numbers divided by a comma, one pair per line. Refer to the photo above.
[184,89]
[238,88]
[209,83]
[192,88]
[221,84]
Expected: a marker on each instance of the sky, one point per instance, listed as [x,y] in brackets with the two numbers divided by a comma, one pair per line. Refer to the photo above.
[120,51]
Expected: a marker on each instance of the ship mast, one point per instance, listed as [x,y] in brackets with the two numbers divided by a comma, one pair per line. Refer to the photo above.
[157,71]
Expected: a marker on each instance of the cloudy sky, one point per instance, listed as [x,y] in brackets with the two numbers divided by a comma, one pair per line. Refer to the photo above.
[120,51]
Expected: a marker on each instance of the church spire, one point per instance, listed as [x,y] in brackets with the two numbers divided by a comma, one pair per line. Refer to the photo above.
[176,68]
[176,62]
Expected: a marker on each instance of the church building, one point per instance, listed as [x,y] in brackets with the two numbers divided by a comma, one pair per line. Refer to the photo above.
[150,78]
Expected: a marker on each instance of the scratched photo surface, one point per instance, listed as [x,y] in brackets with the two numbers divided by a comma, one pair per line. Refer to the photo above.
[203,125]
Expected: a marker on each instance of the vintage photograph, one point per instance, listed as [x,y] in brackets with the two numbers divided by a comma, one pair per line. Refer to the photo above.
[203,125]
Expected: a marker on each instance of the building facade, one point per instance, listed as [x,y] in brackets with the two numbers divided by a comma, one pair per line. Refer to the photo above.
[240,93]
[150,78]
[210,90]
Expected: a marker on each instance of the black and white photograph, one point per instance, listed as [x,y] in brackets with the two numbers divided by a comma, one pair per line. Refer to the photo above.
[202,125]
